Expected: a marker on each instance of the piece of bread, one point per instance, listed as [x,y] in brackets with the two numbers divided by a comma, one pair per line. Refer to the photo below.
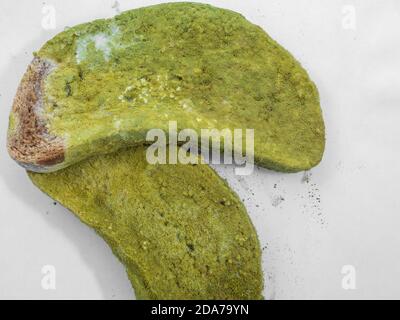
[179,229]
[100,86]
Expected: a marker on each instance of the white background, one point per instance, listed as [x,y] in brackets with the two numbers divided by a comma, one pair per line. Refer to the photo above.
[305,243]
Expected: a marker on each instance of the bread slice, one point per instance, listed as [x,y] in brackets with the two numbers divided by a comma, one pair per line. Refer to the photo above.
[179,229]
[100,86]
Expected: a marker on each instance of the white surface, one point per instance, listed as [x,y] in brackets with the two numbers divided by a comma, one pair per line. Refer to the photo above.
[306,243]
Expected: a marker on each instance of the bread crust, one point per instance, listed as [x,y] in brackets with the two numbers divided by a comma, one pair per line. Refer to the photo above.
[29,142]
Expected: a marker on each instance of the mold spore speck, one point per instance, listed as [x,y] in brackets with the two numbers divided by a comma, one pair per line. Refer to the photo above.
[306,177]
[277,200]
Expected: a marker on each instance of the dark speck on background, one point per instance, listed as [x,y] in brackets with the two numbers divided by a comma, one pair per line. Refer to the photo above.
[306,177]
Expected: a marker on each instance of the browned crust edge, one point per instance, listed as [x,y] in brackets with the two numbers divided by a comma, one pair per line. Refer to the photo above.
[29,142]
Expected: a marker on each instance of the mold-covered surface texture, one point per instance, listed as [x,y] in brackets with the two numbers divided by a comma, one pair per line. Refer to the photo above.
[109,81]
[179,229]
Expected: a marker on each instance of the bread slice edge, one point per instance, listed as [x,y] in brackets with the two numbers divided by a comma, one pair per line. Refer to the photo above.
[29,142]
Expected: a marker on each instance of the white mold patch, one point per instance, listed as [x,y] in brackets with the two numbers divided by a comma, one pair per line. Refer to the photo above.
[103,42]
[187,104]
[117,124]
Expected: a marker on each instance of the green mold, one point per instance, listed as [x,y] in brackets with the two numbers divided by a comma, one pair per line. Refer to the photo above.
[178,229]
[204,67]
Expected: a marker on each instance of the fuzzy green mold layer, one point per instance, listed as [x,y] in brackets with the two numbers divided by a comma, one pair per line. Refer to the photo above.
[179,229]
[201,66]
